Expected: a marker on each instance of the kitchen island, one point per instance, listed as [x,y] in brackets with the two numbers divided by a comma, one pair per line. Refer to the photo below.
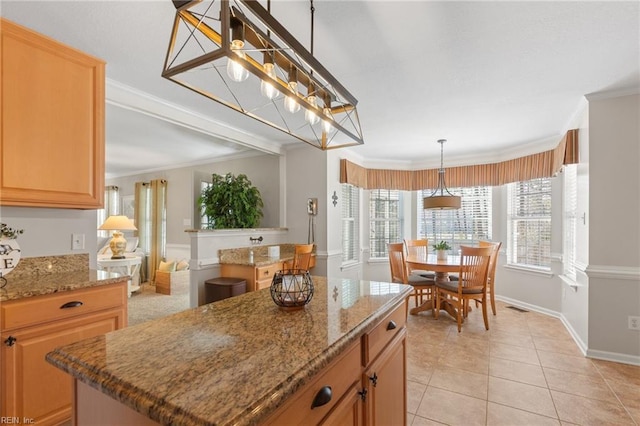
[243,360]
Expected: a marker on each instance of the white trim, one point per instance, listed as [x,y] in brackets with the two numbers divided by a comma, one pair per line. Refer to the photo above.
[204,263]
[530,271]
[556,257]
[127,97]
[574,335]
[349,266]
[582,267]
[614,356]
[570,282]
[613,272]
[528,306]
[612,94]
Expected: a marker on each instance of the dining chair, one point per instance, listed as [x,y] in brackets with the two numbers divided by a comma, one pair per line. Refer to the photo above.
[422,287]
[302,256]
[491,275]
[471,284]
[418,248]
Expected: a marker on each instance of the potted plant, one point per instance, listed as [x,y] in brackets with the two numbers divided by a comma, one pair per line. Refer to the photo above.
[441,249]
[231,202]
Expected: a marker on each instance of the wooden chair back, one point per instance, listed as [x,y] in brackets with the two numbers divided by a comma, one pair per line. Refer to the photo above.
[302,256]
[474,267]
[493,262]
[416,247]
[397,263]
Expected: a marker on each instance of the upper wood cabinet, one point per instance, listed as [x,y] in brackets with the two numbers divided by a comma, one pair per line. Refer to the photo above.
[51,121]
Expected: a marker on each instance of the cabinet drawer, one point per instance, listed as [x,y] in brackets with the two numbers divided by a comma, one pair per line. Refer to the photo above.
[263,284]
[265,273]
[381,335]
[42,309]
[340,375]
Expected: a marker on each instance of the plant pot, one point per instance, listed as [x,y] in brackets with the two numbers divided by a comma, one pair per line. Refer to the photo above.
[442,254]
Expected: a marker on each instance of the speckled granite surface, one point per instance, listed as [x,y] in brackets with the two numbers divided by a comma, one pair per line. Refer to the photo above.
[240,256]
[229,362]
[36,276]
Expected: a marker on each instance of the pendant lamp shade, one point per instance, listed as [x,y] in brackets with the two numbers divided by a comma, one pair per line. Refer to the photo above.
[441,198]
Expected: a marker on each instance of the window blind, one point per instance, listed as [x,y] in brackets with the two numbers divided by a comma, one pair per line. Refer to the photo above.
[465,226]
[529,223]
[385,220]
[570,208]
[350,225]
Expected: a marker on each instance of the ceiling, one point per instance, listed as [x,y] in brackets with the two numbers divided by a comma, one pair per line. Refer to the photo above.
[492,78]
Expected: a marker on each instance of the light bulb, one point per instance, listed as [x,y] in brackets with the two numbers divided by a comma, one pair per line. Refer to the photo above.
[235,71]
[266,87]
[326,124]
[310,115]
[289,102]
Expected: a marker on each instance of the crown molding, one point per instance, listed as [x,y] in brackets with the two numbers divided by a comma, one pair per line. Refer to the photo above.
[609,94]
[126,97]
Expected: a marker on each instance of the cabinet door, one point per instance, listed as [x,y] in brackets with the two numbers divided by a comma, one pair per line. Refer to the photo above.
[385,381]
[51,123]
[33,388]
[349,411]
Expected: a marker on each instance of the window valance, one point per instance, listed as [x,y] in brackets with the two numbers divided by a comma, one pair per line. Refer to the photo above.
[543,164]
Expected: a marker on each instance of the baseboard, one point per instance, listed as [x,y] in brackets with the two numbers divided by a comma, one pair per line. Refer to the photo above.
[589,353]
[614,356]
[528,306]
[576,338]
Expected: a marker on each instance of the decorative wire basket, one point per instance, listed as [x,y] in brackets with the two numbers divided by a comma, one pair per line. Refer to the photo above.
[292,288]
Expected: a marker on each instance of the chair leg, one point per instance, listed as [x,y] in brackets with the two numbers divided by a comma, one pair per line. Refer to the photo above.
[493,300]
[459,314]
[436,311]
[484,312]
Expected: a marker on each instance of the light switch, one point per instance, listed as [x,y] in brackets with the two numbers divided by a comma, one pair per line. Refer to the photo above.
[77,241]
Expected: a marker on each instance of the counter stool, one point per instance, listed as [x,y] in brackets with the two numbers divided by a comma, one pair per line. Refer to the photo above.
[223,287]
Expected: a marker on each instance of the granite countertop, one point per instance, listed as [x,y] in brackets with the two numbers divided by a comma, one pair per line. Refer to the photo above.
[241,256]
[230,362]
[39,276]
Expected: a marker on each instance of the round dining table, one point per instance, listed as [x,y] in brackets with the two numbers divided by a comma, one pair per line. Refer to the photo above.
[442,268]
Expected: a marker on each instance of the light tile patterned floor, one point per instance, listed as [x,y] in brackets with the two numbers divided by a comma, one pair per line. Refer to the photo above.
[526,370]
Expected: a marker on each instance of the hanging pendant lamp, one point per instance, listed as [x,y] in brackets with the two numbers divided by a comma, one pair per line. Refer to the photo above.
[441,198]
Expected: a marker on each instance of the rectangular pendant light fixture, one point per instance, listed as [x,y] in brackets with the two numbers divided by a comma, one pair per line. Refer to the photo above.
[235,53]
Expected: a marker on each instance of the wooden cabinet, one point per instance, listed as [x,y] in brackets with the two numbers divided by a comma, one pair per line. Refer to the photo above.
[32,388]
[51,121]
[367,383]
[257,277]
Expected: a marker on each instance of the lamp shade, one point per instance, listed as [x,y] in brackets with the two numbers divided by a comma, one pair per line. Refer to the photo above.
[118,223]
[444,202]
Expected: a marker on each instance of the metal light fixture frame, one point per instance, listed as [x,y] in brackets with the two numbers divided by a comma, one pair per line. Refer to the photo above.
[263,34]
[441,198]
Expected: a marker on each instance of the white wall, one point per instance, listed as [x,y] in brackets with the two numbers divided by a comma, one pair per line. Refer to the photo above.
[614,226]
[47,232]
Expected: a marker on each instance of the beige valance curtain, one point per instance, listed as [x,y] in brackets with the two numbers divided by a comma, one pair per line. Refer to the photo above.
[543,164]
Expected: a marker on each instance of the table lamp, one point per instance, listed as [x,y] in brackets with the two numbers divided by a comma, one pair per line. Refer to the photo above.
[118,242]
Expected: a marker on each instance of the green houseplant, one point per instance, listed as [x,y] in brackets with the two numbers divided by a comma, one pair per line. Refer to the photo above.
[441,249]
[231,202]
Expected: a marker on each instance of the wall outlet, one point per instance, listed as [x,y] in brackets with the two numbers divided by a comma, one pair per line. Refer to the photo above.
[634,323]
[77,241]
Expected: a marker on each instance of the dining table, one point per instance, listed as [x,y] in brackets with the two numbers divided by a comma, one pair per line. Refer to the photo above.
[442,268]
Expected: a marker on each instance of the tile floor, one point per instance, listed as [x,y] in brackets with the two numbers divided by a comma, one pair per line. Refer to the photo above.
[526,370]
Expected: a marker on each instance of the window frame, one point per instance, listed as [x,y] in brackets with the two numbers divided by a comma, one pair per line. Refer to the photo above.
[387,221]
[474,218]
[350,214]
[529,203]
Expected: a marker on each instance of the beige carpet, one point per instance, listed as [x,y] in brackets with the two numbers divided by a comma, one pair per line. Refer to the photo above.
[146,304]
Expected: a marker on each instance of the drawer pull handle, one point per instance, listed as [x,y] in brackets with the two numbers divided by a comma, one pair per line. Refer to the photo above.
[10,341]
[391,326]
[73,304]
[322,397]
